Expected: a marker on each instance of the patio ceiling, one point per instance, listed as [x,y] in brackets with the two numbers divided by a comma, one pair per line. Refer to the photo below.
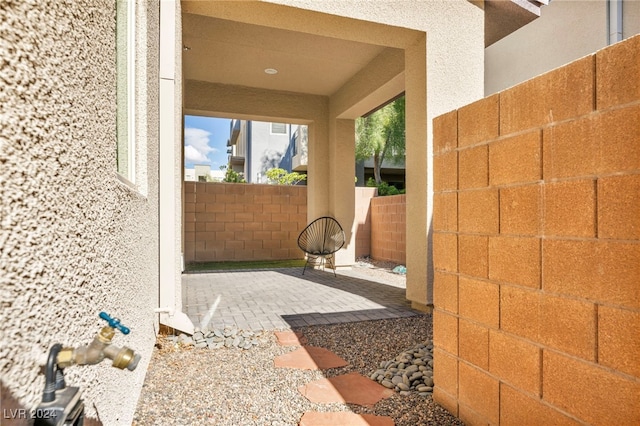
[235,53]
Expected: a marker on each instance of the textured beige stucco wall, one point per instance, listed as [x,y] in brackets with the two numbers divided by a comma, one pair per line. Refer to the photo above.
[455,42]
[74,240]
[567,30]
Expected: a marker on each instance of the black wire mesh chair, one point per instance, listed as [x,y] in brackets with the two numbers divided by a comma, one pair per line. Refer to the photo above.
[320,240]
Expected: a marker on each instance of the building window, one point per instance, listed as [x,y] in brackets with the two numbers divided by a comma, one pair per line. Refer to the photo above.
[125,88]
[279,128]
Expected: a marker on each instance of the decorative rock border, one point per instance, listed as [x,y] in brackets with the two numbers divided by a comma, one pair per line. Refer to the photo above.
[229,337]
[412,370]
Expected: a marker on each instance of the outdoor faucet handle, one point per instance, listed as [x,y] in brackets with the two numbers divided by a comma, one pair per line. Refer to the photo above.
[114,323]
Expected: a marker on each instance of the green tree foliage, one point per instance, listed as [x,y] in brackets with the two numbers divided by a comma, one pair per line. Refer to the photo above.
[381,136]
[282,177]
[231,175]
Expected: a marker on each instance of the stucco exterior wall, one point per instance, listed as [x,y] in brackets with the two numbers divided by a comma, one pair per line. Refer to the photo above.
[567,30]
[74,239]
[537,248]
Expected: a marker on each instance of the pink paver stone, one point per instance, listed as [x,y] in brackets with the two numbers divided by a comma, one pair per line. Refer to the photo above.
[352,388]
[290,338]
[310,358]
[313,418]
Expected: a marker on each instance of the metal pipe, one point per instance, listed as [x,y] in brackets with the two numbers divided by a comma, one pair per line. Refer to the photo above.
[614,21]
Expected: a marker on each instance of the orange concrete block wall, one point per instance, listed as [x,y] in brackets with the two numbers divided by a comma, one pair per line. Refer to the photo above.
[388,228]
[229,221]
[537,248]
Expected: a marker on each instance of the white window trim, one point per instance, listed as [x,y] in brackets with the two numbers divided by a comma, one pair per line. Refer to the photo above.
[131,89]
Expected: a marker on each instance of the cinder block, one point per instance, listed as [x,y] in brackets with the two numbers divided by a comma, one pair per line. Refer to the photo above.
[251,226]
[243,235]
[213,188]
[619,339]
[473,167]
[470,417]
[218,217]
[521,210]
[189,187]
[225,198]
[569,326]
[445,171]
[445,331]
[617,133]
[214,226]
[566,382]
[618,74]
[189,197]
[445,372]
[214,208]
[479,391]
[479,301]
[202,227]
[271,189]
[253,245]
[478,211]
[445,132]
[271,208]
[516,159]
[515,260]
[234,207]
[445,400]
[191,207]
[234,245]
[596,270]
[478,122]
[234,226]
[569,208]
[569,149]
[473,255]
[281,253]
[473,343]
[555,96]
[271,244]
[619,207]
[517,409]
[262,199]
[272,226]
[445,251]
[205,198]
[515,361]
[224,235]
[445,291]
[243,217]
[445,211]
[520,311]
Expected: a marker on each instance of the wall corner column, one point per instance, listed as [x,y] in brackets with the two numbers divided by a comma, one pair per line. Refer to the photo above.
[419,257]
[342,155]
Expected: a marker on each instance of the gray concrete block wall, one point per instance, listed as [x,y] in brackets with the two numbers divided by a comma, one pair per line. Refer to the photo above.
[74,239]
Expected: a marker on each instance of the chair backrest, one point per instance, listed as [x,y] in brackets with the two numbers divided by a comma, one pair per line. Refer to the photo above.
[323,236]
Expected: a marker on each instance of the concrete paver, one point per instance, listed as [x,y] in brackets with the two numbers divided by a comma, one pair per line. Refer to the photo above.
[279,299]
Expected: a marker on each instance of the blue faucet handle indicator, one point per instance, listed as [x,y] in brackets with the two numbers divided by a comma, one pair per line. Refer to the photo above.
[114,323]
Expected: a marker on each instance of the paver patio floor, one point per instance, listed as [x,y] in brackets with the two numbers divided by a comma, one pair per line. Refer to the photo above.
[278,299]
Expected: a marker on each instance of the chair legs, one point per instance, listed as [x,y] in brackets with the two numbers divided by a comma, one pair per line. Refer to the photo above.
[323,261]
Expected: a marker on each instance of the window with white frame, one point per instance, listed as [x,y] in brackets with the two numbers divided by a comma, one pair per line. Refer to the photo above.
[125,89]
[278,128]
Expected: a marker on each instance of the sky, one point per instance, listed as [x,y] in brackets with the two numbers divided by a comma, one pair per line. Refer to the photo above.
[205,141]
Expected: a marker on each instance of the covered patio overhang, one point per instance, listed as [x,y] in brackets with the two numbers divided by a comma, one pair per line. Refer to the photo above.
[331,70]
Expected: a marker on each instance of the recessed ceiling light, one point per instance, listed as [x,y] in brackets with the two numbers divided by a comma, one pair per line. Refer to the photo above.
[271,71]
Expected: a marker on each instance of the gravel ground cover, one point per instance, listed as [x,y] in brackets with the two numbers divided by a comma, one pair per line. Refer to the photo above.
[235,387]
